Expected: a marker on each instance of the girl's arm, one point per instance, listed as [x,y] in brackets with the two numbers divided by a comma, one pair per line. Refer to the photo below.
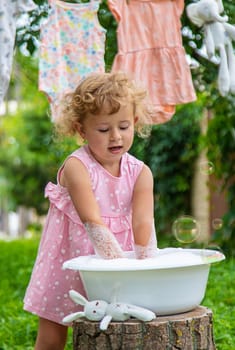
[77,181]
[143,215]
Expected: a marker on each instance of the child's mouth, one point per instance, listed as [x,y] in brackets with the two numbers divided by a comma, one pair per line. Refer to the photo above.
[115,149]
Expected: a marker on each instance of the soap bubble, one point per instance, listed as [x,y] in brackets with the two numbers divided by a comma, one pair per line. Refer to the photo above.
[217,224]
[206,168]
[186,229]
[213,257]
[214,246]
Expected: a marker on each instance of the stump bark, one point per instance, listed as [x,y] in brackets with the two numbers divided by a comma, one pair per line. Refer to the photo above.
[187,331]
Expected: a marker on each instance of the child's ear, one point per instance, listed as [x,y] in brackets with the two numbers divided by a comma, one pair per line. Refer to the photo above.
[80,129]
[136,119]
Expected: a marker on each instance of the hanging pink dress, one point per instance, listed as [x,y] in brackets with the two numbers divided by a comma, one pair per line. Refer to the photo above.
[72,46]
[150,49]
[64,236]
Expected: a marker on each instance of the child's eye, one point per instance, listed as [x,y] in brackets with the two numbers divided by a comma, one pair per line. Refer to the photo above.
[103,130]
[123,127]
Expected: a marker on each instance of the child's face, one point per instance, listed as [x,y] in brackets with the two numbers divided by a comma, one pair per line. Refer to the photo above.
[109,136]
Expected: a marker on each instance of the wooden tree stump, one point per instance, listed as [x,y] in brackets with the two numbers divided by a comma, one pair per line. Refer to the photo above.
[187,331]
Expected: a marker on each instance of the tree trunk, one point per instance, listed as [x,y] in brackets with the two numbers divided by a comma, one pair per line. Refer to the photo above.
[187,331]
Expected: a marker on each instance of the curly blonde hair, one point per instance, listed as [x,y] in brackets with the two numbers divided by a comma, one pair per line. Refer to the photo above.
[103,92]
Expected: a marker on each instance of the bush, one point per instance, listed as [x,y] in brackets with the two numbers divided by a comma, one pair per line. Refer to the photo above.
[171,152]
[221,152]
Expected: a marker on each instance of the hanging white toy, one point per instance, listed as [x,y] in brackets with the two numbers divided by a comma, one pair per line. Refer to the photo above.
[100,310]
[218,36]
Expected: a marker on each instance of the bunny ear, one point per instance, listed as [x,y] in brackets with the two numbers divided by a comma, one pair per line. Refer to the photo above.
[73,317]
[77,297]
[105,322]
[192,13]
[230,29]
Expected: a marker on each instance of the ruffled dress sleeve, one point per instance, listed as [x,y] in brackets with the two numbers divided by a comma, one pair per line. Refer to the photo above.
[61,200]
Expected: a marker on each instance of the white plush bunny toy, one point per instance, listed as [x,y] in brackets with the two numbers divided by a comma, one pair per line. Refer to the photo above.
[100,310]
[218,35]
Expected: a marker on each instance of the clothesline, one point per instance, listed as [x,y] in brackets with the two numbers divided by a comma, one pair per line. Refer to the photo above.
[72,45]
[152,54]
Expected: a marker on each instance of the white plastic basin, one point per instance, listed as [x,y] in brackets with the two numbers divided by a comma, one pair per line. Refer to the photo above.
[173,282]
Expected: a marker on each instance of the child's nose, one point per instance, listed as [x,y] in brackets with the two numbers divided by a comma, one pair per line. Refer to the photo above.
[115,134]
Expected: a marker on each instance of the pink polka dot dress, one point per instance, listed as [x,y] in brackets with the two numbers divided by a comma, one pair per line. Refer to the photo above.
[64,236]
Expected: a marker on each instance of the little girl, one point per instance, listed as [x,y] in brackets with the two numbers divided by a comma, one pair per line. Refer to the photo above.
[102,202]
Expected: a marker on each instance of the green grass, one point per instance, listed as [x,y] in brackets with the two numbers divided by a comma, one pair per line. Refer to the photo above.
[18,328]
[220,298]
